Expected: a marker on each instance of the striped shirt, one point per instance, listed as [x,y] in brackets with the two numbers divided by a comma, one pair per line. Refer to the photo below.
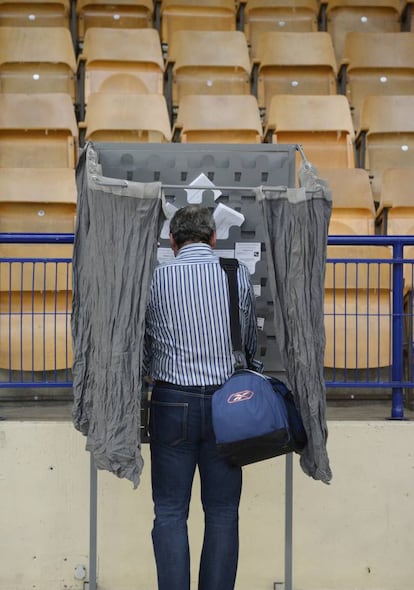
[187,336]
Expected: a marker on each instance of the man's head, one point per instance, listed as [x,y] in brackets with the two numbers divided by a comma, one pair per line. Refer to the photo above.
[192,224]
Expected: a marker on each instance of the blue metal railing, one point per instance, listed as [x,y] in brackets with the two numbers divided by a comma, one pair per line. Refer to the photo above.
[398,289]
[399,339]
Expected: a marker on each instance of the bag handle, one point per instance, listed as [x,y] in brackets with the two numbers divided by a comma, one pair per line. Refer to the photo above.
[230,266]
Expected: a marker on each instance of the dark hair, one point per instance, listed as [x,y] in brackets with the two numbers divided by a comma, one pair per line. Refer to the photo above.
[193,224]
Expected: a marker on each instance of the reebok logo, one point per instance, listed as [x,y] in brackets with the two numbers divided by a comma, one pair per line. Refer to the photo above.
[240,396]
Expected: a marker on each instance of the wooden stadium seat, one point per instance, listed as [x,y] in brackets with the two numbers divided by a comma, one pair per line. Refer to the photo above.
[121,60]
[259,16]
[386,138]
[218,119]
[344,16]
[45,13]
[375,64]
[294,63]
[322,124]
[353,210]
[396,212]
[357,307]
[37,131]
[121,14]
[37,60]
[127,117]
[35,329]
[397,201]
[37,275]
[208,62]
[196,15]
[37,200]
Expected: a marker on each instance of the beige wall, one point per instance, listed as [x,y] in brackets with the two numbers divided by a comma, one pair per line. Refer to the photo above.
[355,534]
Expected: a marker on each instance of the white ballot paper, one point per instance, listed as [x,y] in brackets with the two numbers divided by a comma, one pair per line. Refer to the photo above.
[170,210]
[195,195]
[249,253]
[257,290]
[225,217]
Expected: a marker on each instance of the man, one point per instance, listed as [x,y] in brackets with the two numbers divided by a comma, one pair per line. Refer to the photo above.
[189,355]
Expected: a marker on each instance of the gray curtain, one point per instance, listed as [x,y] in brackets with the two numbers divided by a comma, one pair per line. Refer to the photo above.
[296,227]
[118,224]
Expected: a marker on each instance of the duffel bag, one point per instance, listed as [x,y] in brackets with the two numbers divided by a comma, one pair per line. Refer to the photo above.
[255,418]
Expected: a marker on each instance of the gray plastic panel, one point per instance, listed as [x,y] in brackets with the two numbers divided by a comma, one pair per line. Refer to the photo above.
[234,169]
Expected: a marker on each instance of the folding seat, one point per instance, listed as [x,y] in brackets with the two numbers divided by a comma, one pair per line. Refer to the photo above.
[198,15]
[258,16]
[121,14]
[218,119]
[395,213]
[353,209]
[294,63]
[37,60]
[375,64]
[36,279]
[38,13]
[358,306]
[37,200]
[121,60]
[340,17]
[321,124]
[35,308]
[127,117]
[37,131]
[386,137]
[396,205]
[207,62]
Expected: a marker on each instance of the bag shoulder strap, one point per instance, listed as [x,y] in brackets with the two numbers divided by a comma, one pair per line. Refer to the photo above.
[230,266]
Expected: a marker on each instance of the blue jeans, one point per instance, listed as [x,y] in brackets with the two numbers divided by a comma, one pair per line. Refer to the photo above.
[181,439]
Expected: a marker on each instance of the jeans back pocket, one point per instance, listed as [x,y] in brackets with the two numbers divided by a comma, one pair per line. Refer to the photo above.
[168,422]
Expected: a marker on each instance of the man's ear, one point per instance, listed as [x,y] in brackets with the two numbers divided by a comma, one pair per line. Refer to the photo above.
[173,244]
[213,240]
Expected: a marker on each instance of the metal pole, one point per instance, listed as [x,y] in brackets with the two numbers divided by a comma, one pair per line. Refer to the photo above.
[93,513]
[397,332]
[288,521]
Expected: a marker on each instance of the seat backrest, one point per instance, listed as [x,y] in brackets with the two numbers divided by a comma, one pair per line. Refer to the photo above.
[397,198]
[353,209]
[37,131]
[193,49]
[127,117]
[387,114]
[377,64]
[344,16]
[322,124]
[279,16]
[37,200]
[36,60]
[397,188]
[297,63]
[113,55]
[357,306]
[364,51]
[220,118]
[38,13]
[200,15]
[360,268]
[209,62]
[388,122]
[121,14]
